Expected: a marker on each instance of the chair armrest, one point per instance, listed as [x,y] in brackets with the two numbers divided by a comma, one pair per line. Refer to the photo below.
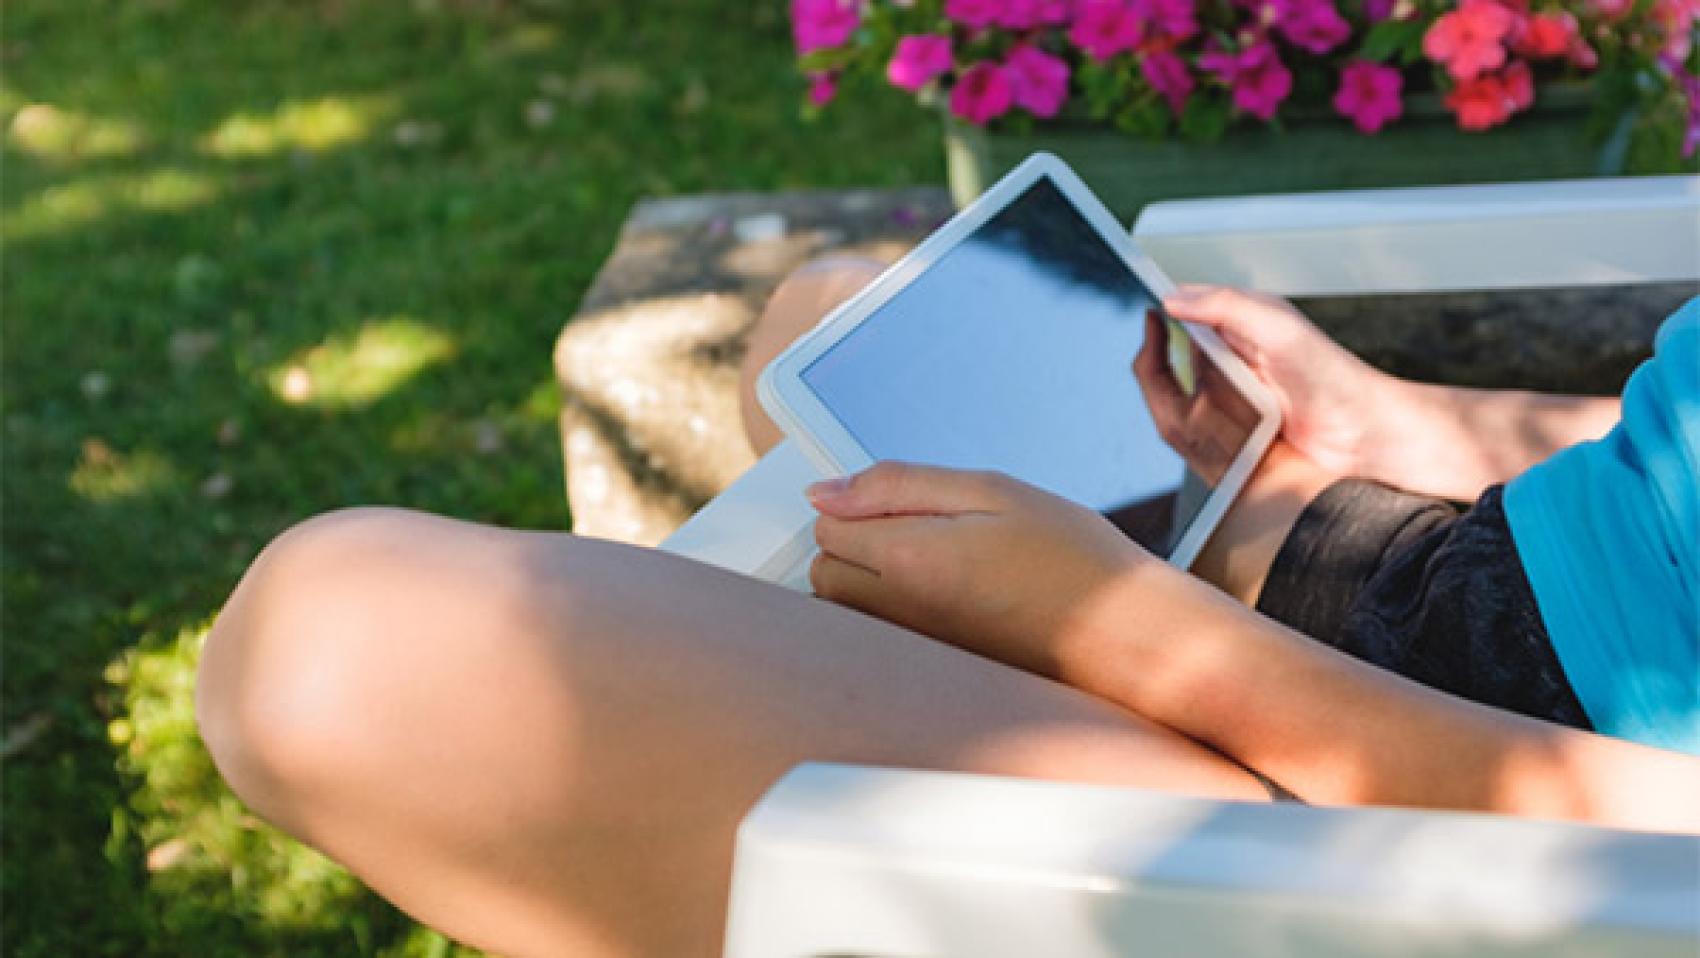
[848,860]
[1432,239]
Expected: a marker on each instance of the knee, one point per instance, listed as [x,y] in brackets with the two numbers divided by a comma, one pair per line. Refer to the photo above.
[796,306]
[285,674]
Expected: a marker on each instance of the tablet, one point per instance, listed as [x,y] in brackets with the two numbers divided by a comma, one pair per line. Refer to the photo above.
[1008,341]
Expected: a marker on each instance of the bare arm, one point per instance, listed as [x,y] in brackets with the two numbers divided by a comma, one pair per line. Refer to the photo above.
[1335,730]
[1454,442]
[1018,575]
[1354,420]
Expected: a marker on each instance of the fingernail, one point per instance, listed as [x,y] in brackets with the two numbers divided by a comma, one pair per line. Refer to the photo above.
[828,489]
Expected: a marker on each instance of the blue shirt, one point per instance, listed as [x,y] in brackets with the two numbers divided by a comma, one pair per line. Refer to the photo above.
[1609,534]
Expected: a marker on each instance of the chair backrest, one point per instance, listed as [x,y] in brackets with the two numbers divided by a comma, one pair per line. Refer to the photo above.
[846,860]
[1501,236]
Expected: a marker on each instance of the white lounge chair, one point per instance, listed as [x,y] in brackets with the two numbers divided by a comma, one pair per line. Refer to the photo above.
[842,860]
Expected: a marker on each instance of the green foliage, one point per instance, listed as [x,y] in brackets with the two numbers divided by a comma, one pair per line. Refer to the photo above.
[1106,88]
[1148,118]
[1206,117]
[265,259]
[1400,40]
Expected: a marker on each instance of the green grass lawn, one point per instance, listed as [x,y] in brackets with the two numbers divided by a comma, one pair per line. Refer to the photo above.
[270,257]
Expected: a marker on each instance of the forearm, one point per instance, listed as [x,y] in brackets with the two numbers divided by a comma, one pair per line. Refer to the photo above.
[1336,730]
[1454,442]
[1238,555]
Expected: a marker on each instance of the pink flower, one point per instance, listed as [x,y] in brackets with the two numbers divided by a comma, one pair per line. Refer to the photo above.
[1676,20]
[1468,39]
[822,88]
[1689,84]
[1485,101]
[918,60]
[1027,14]
[975,13]
[1611,9]
[1175,19]
[1369,95]
[1312,25]
[1039,80]
[1168,75]
[1519,85]
[822,24]
[1545,35]
[1378,10]
[1259,80]
[1105,28]
[982,94]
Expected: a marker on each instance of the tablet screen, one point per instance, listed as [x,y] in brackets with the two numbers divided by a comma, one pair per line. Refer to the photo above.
[1015,351]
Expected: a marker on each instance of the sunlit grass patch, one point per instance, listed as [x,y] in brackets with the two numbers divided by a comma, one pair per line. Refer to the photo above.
[104,475]
[352,371]
[53,133]
[314,126]
[83,201]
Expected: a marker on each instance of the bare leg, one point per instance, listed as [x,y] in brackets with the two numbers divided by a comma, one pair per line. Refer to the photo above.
[542,745]
[800,302]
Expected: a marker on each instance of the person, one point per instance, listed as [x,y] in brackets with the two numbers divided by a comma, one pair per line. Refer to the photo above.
[542,744]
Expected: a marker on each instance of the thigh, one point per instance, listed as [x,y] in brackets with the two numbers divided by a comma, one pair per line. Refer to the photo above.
[543,744]
[799,303]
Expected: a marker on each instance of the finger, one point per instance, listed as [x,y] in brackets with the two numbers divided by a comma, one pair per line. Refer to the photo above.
[849,585]
[1213,306]
[896,488]
[1162,393]
[875,544]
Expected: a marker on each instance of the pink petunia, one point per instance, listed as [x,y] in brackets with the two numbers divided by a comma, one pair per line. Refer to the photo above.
[1027,14]
[1689,84]
[1040,81]
[1582,55]
[1173,19]
[1313,25]
[1369,95]
[1469,39]
[1376,11]
[1676,20]
[983,93]
[918,60]
[823,24]
[1519,85]
[822,88]
[975,13]
[1104,28]
[1256,75]
[1545,35]
[1481,102]
[1169,76]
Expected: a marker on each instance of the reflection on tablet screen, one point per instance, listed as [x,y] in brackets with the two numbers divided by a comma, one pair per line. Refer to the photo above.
[1014,352]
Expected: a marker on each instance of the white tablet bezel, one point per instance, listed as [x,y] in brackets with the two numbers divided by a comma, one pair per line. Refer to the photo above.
[797,411]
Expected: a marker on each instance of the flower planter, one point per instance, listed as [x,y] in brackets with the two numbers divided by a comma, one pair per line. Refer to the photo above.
[1324,153]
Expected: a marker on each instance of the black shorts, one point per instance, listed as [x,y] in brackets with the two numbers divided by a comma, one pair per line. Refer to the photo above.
[1409,584]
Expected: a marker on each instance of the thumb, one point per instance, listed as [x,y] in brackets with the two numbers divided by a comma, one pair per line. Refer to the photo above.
[1214,306]
[906,489]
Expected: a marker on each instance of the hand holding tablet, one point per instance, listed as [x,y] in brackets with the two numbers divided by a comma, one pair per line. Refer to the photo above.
[1007,341]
